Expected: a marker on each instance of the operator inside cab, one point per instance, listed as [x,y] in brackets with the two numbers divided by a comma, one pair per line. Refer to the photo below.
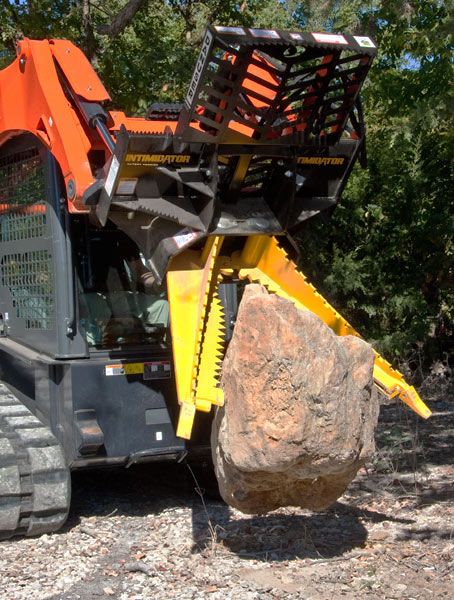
[119,301]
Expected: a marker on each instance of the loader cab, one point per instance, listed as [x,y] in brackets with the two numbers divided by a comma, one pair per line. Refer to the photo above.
[119,302]
[67,287]
[35,291]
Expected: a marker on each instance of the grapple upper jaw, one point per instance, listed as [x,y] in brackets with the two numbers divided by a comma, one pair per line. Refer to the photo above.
[254,85]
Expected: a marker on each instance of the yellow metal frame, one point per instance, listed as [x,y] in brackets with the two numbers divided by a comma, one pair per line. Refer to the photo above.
[197,320]
[280,275]
[197,324]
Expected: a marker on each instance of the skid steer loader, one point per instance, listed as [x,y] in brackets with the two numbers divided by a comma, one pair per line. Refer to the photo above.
[125,243]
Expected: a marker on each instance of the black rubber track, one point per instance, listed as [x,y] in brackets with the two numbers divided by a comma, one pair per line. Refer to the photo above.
[35,484]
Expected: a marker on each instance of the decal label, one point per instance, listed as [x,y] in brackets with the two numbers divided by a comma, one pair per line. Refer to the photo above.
[155,159]
[151,370]
[115,370]
[265,33]
[184,237]
[232,30]
[111,176]
[321,160]
[204,50]
[364,41]
[157,370]
[126,187]
[330,38]
[128,369]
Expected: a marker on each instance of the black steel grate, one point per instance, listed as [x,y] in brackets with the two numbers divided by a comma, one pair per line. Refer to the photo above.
[274,88]
[22,210]
[21,178]
[29,278]
[18,225]
[28,275]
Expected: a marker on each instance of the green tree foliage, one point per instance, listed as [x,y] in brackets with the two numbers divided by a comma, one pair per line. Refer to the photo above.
[385,256]
[144,50]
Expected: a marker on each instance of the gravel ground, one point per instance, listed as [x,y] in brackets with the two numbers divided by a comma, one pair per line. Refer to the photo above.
[146,533]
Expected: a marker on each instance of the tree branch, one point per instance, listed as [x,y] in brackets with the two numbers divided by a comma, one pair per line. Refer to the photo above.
[90,41]
[122,19]
[102,8]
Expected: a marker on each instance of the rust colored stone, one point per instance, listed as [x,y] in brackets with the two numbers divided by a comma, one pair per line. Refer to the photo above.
[300,408]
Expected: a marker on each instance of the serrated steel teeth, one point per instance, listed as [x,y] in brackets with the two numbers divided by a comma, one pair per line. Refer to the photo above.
[197,331]
[210,340]
[211,355]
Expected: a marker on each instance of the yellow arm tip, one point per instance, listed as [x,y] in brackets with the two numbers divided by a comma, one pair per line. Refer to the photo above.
[186,420]
[391,384]
[411,398]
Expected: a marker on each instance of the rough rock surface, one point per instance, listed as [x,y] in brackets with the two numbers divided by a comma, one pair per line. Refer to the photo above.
[300,408]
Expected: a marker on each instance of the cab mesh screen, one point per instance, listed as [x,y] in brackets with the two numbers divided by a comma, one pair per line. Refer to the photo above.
[27,272]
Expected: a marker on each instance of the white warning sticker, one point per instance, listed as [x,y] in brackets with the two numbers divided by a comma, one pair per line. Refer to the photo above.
[115,370]
[184,237]
[126,187]
[231,30]
[364,41]
[330,38]
[265,33]
[111,176]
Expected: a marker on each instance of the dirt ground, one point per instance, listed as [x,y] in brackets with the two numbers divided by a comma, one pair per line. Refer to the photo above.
[146,533]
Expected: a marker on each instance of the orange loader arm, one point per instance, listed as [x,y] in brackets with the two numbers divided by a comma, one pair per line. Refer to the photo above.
[44,92]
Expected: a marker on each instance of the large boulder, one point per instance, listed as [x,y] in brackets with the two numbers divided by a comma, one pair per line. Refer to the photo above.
[300,408]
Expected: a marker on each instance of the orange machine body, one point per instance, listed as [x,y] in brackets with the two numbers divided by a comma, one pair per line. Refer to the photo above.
[34,98]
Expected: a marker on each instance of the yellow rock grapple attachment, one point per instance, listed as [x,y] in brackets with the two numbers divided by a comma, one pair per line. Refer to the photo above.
[266,138]
[194,326]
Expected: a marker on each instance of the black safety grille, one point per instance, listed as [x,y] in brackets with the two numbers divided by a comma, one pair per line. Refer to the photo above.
[275,88]
[29,278]
[26,267]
